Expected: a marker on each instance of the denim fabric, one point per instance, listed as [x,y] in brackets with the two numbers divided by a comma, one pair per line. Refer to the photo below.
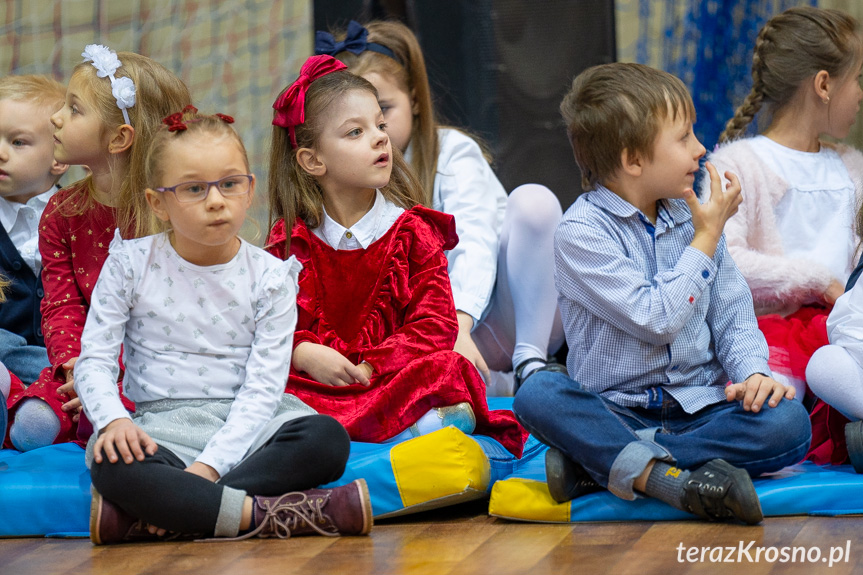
[25,361]
[613,444]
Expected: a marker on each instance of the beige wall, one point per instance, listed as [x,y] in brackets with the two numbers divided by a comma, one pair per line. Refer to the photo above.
[235,55]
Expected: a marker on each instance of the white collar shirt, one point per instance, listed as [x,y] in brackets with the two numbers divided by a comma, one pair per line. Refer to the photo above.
[21,222]
[369,228]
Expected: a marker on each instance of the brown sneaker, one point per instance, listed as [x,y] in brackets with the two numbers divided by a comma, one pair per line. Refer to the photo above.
[345,510]
[110,524]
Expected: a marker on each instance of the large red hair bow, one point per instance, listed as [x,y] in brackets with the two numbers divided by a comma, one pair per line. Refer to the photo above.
[290,106]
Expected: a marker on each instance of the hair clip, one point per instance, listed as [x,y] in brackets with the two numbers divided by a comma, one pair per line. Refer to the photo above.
[106,63]
[290,106]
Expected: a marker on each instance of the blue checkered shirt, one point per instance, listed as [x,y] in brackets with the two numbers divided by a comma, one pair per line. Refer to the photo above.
[644,312]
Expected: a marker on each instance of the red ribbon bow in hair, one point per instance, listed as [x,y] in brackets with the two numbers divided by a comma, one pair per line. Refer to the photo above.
[290,106]
[175,122]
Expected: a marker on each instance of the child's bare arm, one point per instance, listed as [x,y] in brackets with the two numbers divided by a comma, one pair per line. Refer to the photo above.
[709,218]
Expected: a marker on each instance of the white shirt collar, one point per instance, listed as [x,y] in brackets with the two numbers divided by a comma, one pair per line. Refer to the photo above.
[9,210]
[364,232]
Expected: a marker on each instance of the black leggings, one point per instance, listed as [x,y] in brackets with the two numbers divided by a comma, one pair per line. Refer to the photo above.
[302,454]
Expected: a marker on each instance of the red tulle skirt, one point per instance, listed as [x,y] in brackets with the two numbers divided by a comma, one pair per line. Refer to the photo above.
[792,340]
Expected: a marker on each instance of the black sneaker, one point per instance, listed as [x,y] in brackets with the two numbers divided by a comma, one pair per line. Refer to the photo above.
[854,442]
[718,491]
[567,479]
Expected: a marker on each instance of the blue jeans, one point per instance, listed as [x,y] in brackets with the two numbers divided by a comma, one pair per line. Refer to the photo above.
[25,361]
[615,444]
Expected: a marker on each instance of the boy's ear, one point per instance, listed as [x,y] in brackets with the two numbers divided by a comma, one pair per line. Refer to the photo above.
[309,161]
[156,201]
[821,83]
[631,163]
[58,169]
[121,139]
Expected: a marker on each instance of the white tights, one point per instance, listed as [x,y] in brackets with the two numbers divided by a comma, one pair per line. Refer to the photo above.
[835,377]
[524,321]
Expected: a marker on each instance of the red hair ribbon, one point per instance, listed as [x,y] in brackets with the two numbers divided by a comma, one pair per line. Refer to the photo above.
[290,106]
[225,118]
[175,122]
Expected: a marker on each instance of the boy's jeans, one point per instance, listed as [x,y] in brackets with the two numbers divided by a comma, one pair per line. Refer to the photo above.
[614,444]
[25,361]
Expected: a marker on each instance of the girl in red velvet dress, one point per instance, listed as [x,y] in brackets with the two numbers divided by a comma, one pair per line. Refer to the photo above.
[114,103]
[377,324]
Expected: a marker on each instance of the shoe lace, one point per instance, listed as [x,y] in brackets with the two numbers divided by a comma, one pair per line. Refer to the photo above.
[286,513]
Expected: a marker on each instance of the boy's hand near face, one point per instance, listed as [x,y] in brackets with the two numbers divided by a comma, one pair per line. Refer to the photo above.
[709,218]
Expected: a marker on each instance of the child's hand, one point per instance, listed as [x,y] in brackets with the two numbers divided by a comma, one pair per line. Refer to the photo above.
[834,291]
[69,370]
[755,390]
[328,366]
[709,218]
[203,470]
[465,345]
[123,436]
[73,404]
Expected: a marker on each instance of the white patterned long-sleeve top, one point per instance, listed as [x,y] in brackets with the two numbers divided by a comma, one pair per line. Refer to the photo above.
[190,332]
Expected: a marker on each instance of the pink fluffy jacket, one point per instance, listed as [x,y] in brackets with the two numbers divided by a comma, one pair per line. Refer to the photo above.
[779,284]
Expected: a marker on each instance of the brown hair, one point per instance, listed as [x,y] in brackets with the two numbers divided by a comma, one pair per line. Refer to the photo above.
[293,192]
[615,107]
[211,125]
[158,92]
[409,73]
[4,283]
[41,90]
[791,48]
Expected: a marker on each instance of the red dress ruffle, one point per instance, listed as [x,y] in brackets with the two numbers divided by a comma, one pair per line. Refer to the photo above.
[390,305]
[792,340]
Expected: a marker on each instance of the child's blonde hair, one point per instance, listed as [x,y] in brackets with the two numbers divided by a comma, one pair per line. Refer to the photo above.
[40,90]
[409,73]
[158,92]
[791,48]
[615,107]
[293,192]
[216,125]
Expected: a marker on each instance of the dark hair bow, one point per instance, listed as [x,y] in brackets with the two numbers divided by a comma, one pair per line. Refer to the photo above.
[354,42]
[290,106]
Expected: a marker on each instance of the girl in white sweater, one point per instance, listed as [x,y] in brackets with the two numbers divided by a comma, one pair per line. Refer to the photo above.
[206,322]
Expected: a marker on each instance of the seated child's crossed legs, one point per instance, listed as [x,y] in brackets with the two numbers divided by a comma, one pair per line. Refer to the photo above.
[620,447]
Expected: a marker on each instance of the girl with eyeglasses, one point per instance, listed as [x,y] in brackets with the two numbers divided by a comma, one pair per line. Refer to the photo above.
[206,323]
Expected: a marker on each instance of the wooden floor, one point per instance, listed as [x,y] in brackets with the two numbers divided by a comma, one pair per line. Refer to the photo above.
[462,540]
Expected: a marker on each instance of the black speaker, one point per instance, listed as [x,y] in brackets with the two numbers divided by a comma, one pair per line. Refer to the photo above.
[500,68]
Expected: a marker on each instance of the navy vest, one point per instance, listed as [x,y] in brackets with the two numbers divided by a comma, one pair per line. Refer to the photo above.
[20,314]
